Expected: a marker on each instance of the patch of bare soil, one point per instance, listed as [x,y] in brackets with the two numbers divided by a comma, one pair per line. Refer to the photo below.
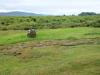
[17,49]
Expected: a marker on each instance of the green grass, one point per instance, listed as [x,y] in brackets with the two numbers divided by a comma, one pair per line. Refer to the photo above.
[53,60]
[79,59]
[10,37]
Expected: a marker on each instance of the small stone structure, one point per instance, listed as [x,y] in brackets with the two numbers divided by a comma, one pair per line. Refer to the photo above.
[31,33]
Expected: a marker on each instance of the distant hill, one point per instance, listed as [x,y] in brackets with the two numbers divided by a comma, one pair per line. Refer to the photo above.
[18,13]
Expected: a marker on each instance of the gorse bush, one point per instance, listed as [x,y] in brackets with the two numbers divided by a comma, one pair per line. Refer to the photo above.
[47,22]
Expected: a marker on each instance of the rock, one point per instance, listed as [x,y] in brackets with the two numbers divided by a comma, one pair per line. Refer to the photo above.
[31,33]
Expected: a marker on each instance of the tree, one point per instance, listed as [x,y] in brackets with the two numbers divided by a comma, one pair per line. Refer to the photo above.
[87,13]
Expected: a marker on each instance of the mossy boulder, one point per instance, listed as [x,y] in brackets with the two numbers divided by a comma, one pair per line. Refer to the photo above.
[31,33]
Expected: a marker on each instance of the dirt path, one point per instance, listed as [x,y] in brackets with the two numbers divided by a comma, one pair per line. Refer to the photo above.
[17,48]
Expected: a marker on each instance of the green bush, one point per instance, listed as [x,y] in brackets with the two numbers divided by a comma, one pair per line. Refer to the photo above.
[47,22]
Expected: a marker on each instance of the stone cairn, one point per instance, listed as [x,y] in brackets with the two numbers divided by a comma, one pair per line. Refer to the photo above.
[31,33]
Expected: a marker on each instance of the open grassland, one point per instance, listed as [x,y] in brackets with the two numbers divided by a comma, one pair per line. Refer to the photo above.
[9,37]
[53,60]
[70,51]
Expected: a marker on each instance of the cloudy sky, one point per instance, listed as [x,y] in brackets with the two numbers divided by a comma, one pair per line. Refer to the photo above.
[54,7]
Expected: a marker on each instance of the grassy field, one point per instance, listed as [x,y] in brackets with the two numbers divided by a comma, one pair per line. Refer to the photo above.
[70,51]
[8,37]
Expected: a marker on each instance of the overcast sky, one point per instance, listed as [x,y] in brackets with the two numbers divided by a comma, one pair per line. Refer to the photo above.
[54,7]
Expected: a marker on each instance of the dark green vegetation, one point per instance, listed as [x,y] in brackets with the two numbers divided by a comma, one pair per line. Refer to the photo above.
[48,22]
[87,14]
[68,51]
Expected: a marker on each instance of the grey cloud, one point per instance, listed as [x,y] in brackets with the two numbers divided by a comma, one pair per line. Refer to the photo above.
[51,6]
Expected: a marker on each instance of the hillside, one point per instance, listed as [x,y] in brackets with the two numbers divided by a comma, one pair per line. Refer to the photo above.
[18,13]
